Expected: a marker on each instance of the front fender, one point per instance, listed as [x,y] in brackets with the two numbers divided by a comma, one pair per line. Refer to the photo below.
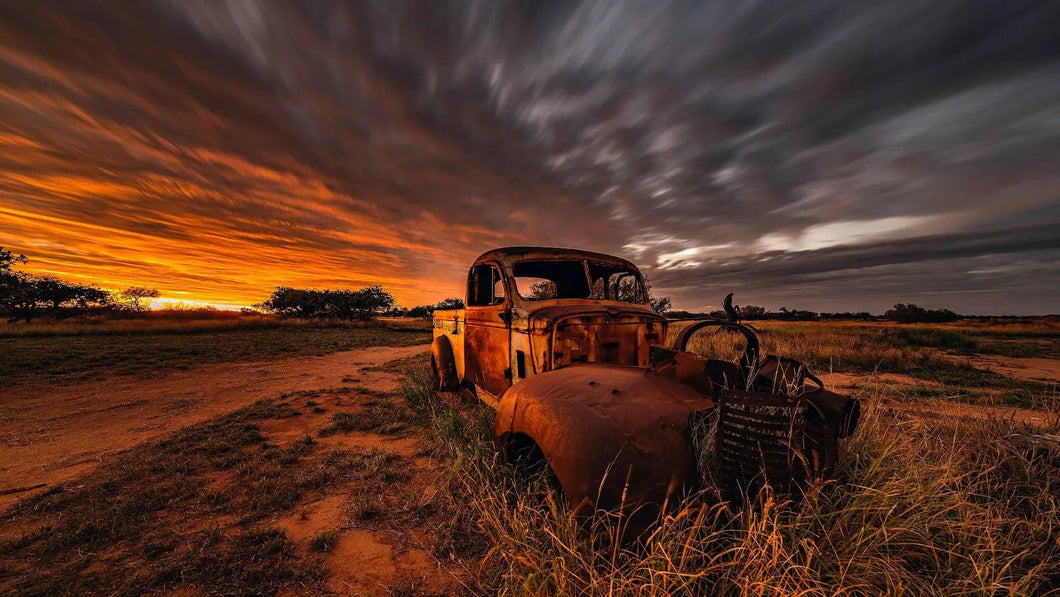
[613,435]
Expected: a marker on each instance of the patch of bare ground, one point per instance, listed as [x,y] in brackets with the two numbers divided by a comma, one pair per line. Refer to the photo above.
[1025,368]
[330,491]
[51,433]
[933,400]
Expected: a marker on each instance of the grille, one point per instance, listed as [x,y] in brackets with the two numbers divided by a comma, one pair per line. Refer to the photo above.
[749,440]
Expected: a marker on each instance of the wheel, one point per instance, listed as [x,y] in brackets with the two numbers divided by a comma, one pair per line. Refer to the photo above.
[443,365]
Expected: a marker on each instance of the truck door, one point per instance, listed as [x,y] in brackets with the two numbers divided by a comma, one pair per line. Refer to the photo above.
[487,330]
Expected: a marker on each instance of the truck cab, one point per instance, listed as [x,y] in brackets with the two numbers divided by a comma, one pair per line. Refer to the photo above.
[530,310]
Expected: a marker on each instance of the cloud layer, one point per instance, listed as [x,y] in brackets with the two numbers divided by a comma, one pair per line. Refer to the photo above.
[828,156]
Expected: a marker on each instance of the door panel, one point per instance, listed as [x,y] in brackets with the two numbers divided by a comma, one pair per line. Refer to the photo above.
[487,349]
[487,331]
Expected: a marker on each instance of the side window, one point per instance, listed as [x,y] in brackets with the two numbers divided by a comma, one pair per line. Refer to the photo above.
[485,286]
[498,288]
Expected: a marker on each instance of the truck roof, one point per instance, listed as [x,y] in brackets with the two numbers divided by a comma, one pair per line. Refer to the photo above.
[510,255]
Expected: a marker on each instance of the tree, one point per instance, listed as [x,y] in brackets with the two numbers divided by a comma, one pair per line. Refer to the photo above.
[365,303]
[450,303]
[136,295]
[421,311]
[18,296]
[61,296]
[752,312]
[8,259]
[23,296]
[660,305]
[911,313]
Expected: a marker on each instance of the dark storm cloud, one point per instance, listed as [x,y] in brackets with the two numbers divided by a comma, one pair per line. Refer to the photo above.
[794,152]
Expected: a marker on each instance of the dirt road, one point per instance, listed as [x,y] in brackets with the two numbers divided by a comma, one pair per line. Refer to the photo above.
[37,447]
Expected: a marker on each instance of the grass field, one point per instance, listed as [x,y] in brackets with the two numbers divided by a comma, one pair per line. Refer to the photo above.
[300,494]
[92,350]
[921,507]
[936,355]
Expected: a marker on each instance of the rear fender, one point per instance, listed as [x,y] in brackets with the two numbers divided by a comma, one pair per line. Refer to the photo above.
[443,364]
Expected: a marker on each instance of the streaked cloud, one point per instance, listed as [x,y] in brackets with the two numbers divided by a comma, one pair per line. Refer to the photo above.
[825,155]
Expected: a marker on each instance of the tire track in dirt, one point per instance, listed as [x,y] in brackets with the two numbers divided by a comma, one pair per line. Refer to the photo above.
[52,433]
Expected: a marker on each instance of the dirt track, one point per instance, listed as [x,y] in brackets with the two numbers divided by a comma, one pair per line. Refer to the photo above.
[936,406]
[122,411]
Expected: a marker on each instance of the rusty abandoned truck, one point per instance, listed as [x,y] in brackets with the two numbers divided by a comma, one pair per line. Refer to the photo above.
[584,377]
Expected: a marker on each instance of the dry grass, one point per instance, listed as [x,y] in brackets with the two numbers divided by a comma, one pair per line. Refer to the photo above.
[915,350]
[922,507]
[71,351]
[918,506]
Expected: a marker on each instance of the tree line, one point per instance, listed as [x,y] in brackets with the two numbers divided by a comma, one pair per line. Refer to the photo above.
[899,313]
[25,296]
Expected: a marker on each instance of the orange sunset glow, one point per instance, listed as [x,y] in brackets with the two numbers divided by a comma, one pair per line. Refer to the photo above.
[216,151]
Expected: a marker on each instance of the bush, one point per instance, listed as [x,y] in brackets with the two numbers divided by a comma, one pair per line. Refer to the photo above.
[365,303]
[910,313]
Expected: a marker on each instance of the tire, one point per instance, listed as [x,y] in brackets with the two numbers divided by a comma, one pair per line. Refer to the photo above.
[443,365]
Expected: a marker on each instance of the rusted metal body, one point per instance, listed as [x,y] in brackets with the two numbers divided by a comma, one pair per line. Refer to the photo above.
[564,345]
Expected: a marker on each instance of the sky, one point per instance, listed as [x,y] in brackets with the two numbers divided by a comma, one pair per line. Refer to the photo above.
[832,156]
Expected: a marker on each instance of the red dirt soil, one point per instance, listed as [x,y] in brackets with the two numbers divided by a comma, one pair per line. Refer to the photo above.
[50,434]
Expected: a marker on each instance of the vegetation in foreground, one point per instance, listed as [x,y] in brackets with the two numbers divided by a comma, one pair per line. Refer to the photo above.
[943,507]
[151,520]
[208,509]
[87,350]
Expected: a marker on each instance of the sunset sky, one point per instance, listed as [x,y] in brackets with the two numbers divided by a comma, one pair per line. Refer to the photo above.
[814,155]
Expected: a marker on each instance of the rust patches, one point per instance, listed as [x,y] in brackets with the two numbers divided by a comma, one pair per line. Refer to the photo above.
[577,369]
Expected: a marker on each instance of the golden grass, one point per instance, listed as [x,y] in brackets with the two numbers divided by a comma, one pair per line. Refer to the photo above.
[921,351]
[920,507]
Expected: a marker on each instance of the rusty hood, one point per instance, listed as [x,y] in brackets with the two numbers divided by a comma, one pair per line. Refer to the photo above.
[541,317]
[593,332]
[613,435]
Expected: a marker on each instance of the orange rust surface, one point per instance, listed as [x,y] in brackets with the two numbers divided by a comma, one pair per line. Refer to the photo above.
[601,426]
[589,382]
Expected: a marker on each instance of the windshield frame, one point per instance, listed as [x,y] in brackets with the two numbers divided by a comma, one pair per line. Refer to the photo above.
[627,269]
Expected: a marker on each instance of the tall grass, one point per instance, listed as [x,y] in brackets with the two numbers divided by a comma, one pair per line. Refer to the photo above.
[922,507]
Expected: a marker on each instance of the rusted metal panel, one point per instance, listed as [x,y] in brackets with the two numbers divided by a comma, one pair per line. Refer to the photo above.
[486,346]
[611,434]
[450,323]
[580,330]
[511,255]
